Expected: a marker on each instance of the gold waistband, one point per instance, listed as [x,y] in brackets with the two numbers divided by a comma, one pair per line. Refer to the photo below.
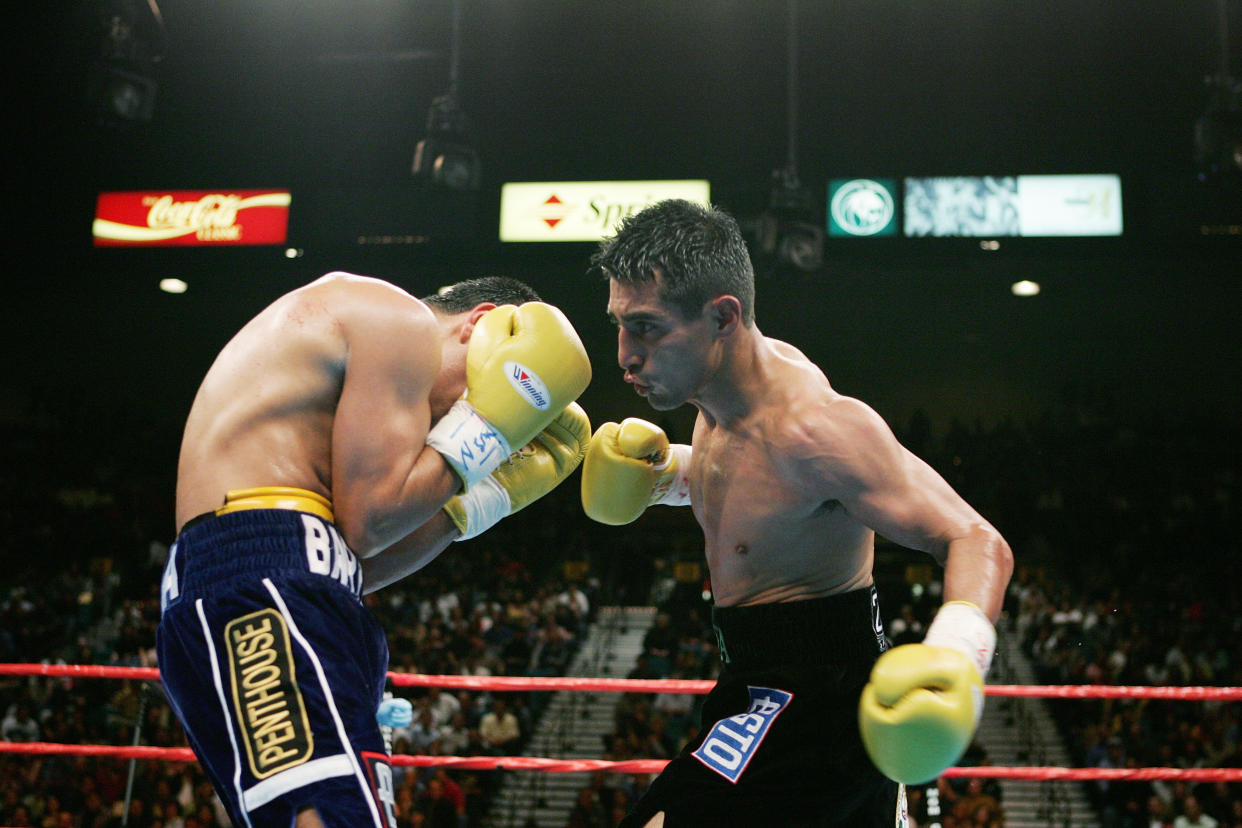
[277,497]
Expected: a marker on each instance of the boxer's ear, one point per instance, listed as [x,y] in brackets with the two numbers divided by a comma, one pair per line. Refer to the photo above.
[476,313]
[725,314]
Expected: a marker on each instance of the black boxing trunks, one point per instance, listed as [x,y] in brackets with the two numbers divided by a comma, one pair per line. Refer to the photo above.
[273,665]
[779,742]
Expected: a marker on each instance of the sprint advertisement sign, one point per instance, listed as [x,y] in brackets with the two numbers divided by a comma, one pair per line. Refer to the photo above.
[582,211]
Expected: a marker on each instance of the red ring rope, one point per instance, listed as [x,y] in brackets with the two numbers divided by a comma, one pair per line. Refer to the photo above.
[648,686]
[534,763]
[516,683]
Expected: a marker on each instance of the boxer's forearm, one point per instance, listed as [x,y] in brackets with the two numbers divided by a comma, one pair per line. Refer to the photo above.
[409,554]
[977,570]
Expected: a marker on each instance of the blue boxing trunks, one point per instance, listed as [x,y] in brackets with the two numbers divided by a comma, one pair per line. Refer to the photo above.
[779,744]
[273,665]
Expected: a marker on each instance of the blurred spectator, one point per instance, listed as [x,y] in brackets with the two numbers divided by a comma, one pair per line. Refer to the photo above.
[574,607]
[517,651]
[1101,511]
[587,812]
[441,705]
[1192,816]
[979,806]
[437,807]
[454,735]
[499,728]
[421,732]
[659,644]
[19,725]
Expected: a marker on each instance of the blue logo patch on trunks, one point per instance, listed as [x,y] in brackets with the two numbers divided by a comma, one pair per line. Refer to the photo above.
[732,742]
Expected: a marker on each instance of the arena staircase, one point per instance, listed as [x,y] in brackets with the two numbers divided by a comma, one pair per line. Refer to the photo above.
[573,725]
[1021,731]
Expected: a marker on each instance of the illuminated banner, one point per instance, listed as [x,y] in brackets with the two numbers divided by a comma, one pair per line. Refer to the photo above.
[862,207]
[186,218]
[1022,205]
[576,211]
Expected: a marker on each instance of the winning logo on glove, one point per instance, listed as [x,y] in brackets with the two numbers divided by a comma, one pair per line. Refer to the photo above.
[527,383]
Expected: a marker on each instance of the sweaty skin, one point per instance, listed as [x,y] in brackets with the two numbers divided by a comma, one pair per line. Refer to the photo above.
[789,479]
[766,523]
[333,389]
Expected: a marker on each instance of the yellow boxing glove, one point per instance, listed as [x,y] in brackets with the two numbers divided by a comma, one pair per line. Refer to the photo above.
[630,466]
[919,712]
[523,366]
[530,473]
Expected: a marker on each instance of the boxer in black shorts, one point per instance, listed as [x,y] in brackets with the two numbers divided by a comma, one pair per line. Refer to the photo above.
[779,738]
[790,482]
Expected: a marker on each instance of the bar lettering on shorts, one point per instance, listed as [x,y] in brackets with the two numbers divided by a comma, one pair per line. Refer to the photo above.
[266,697]
[169,588]
[328,555]
[733,742]
[379,774]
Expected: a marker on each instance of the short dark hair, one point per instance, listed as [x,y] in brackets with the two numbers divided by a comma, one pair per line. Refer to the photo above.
[698,250]
[464,296]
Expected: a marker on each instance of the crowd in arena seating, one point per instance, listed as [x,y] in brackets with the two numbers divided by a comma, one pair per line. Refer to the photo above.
[1145,629]
[84,590]
[1131,576]
[1124,532]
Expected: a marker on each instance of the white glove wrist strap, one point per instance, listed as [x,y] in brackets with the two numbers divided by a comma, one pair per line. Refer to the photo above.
[468,443]
[485,505]
[962,626]
[676,490]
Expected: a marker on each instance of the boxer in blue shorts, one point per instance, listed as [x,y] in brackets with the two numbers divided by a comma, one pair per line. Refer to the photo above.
[262,602]
[790,481]
[341,440]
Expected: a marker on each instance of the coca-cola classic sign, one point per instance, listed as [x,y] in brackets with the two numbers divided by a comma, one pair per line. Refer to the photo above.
[191,217]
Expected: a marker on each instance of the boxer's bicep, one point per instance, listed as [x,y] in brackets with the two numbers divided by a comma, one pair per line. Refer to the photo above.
[883,485]
[385,482]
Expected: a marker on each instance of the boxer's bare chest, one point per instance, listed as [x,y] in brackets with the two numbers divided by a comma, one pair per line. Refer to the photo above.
[768,534]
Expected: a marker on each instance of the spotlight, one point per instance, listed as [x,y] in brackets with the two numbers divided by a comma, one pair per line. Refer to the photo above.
[789,231]
[1218,143]
[446,157]
[120,85]
[1218,131]
[801,245]
[120,96]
